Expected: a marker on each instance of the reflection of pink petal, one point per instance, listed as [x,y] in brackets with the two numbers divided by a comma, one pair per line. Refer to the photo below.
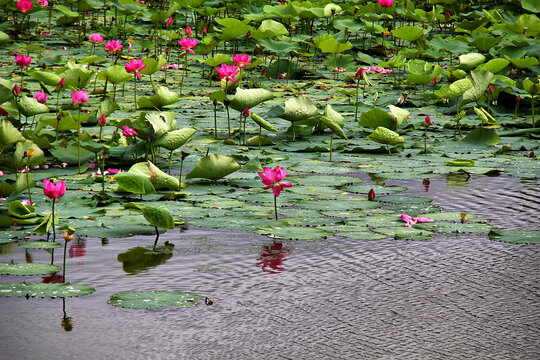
[272,258]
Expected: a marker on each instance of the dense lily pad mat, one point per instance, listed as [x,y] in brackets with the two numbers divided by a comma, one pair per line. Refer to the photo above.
[40,290]
[154,299]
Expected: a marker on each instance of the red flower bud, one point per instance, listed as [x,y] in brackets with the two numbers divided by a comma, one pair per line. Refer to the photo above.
[427,121]
[61,83]
[16,90]
[215,102]
[245,113]
[447,15]
[359,74]
[531,154]
[3,112]
[371,194]
[204,31]
[435,81]
[102,120]
[491,88]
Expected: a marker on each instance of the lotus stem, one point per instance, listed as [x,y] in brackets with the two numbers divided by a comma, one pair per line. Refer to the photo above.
[157,236]
[64,262]
[27,180]
[53,230]
[388,147]
[425,140]
[260,132]
[275,206]
[180,175]
[356,103]
[79,139]
[215,122]
[228,119]
[102,172]
[135,92]
[331,141]
[532,110]
[170,156]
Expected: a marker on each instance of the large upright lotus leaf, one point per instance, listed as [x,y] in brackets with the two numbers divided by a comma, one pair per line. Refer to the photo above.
[495,65]
[482,136]
[331,45]
[288,11]
[27,269]
[115,74]
[6,87]
[409,33]
[9,133]
[454,90]
[233,28]
[158,124]
[154,299]
[333,115]
[485,116]
[153,65]
[480,80]
[522,63]
[4,38]
[377,117]
[531,5]
[30,106]
[531,87]
[162,97]
[158,178]
[334,126]
[134,183]
[269,29]
[174,139]
[214,167]
[76,77]
[107,107]
[484,42]
[156,216]
[50,290]
[471,60]
[23,147]
[331,9]
[217,60]
[298,108]
[399,114]
[280,47]
[249,98]
[262,123]
[46,77]
[69,154]
[383,135]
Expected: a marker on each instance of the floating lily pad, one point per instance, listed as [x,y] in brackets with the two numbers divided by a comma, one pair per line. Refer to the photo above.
[51,290]
[515,236]
[293,232]
[27,269]
[361,235]
[405,233]
[449,227]
[403,199]
[40,245]
[154,299]
[364,189]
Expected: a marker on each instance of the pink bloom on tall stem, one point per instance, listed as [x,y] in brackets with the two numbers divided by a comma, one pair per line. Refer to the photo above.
[96,38]
[102,121]
[427,121]
[204,31]
[16,91]
[386,3]
[54,191]
[135,66]
[241,60]
[113,46]
[43,3]
[188,44]
[79,97]
[188,31]
[128,132]
[22,60]
[169,21]
[61,83]
[272,178]
[41,97]
[24,6]
[227,72]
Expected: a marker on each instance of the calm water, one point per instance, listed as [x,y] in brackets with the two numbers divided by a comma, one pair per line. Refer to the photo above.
[453,297]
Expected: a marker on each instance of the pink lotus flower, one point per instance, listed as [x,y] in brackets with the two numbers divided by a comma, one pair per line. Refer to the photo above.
[188,44]
[3,112]
[386,3]
[113,46]
[54,191]
[43,3]
[102,121]
[24,6]
[135,66]
[79,97]
[1,173]
[371,194]
[427,121]
[272,179]
[23,61]
[61,83]
[447,16]
[188,31]
[169,21]
[96,38]
[204,31]
[379,70]
[241,60]
[227,72]
[245,113]
[410,221]
[41,97]
[128,132]
[111,171]
[26,202]
[16,90]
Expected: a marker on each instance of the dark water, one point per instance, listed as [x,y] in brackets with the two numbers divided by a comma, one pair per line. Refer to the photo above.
[453,297]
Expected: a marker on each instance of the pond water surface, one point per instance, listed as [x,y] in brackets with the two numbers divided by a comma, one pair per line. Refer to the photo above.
[454,297]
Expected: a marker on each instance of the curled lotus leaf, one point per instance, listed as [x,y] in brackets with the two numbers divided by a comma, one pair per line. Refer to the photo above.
[214,167]
[383,135]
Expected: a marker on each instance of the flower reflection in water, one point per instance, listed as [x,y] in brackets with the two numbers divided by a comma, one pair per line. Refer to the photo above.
[52,279]
[78,249]
[272,258]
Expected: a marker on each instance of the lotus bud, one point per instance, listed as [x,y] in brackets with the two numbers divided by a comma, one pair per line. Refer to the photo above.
[491,89]
[3,112]
[531,154]
[371,194]
[435,81]
[518,97]
[226,102]
[215,102]
[61,83]
[427,121]
[245,113]
[102,120]
[359,74]
[16,90]
[204,31]
[447,15]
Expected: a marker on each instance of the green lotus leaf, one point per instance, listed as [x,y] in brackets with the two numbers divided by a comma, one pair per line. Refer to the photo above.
[115,74]
[40,245]
[158,178]
[134,183]
[233,29]
[334,116]
[4,38]
[377,117]
[175,139]
[485,116]
[107,107]
[46,77]
[154,299]
[66,11]
[530,5]
[482,136]
[399,115]
[293,232]
[480,80]
[213,167]
[9,133]
[484,42]
[27,269]
[262,123]
[249,98]
[522,63]
[156,216]
[69,154]
[77,77]
[280,47]
[530,87]
[454,90]
[471,60]
[21,150]
[461,162]
[495,65]
[288,11]
[51,290]
[383,135]
[153,65]
[298,108]
[336,129]
[44,226]
[259,140]
[162,97]
[408,33]
[515,236]
[330,45]
[30,106]
[18,209]
[269,29]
